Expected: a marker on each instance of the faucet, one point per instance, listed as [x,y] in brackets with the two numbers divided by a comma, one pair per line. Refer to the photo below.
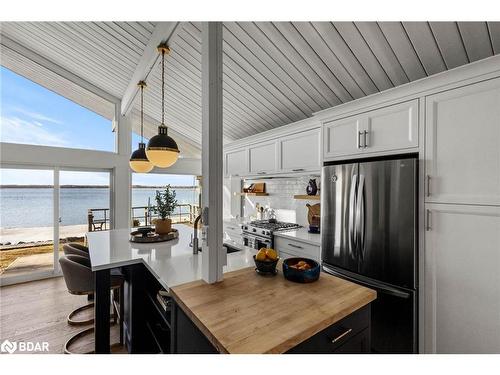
[196,248]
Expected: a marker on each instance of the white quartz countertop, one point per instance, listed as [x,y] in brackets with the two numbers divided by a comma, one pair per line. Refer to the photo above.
[302,235]
[172,262]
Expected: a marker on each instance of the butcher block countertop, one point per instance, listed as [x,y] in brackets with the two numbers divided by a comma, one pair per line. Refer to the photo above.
[249,313]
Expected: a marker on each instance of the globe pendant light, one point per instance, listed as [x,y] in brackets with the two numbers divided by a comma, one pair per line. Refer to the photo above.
[138,160]
[162,150]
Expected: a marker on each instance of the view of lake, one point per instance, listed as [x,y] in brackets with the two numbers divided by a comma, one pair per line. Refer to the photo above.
[32,207]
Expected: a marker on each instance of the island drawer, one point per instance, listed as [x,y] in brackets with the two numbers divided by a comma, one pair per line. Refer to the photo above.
[349,335]
[296,248]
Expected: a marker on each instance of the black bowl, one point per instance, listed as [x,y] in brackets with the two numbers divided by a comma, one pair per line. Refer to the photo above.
[266,266]
[145,230]
[301,276]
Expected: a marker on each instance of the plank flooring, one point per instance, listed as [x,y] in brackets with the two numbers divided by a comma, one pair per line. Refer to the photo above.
[36,311]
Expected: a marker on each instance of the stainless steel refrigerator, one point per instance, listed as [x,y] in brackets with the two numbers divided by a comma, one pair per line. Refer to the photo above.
[369,236]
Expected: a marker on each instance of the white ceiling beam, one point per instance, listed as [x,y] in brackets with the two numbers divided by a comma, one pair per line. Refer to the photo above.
[163,32]
[55,68]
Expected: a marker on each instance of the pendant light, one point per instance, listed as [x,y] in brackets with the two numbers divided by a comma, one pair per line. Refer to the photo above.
[162,150]
[138,160]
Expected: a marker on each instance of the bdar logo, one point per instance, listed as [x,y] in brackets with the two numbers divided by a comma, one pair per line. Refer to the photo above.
[8,346]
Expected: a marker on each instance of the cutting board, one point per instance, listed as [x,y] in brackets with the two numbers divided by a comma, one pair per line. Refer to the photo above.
[314,210]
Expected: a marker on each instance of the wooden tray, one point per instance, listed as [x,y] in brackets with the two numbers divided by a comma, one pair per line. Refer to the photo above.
[153,237]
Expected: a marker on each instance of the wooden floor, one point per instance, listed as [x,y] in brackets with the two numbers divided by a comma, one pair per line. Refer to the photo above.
[37,311]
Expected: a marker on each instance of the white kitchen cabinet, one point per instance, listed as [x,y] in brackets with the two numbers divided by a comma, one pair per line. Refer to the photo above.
[263,157]
[301,152]
[462,145]
[462,279]
[236,162]
[343,137]
[386,129]
[287,248]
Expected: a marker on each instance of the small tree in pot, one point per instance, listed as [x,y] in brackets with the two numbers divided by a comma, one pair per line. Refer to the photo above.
[165,206]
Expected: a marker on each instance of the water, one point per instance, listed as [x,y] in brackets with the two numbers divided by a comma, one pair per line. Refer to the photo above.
[32,207]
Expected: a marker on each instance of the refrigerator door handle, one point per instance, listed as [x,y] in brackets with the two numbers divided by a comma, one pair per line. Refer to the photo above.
[369,284]
[360,217]
[352,217]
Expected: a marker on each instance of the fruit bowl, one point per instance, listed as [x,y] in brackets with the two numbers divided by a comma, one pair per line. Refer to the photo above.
[307,274]
[265,267]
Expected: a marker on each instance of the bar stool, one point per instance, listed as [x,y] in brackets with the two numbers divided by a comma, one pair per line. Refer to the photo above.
[79,281]
[75,248]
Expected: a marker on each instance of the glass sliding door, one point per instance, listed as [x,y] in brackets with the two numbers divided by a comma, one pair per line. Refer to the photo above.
[84,203]
[27,219]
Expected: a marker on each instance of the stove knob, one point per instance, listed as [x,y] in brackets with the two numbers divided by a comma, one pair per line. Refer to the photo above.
[254,230]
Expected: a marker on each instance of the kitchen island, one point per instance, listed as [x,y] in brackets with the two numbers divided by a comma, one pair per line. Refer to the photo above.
[245,313]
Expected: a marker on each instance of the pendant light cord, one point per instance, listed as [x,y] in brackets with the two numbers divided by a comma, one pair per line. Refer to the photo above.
[163,87]
[142,113]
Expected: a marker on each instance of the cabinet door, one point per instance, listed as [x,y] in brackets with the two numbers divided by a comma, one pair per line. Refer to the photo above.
[462,145]
[301,152]
[342,137]
[263,158]
[236,163]
[392,128]
[462,279]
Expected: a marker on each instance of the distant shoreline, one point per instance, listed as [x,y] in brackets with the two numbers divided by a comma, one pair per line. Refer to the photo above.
[89,187]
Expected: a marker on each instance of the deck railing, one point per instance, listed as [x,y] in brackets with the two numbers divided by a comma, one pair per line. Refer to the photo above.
[98,218]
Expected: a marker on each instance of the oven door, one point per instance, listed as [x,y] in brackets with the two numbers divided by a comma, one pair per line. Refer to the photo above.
[256,242]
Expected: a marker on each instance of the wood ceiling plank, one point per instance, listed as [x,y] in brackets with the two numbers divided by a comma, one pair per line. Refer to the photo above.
[294,56]
[275,57]
[450,43]
[403,49]
[424,43]
[346,57]
[476,40]
[494,30]
[270,67]
[364,54]
[329,58]
[382,50]
[313,60]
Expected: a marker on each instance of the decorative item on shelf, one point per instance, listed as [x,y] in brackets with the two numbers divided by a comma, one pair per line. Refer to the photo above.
[313,217]
[162,150]
[139,160]
[165,206]
[312,187]
[258,188]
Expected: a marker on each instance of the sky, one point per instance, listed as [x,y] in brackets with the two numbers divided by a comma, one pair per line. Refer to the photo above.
[32,114]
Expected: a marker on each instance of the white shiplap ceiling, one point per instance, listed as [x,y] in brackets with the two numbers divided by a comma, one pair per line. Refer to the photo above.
[275,73]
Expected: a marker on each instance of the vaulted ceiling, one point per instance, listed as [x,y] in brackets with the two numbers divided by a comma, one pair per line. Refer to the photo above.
[275,73]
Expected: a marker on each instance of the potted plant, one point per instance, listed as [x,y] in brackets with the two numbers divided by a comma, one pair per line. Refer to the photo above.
[165,206]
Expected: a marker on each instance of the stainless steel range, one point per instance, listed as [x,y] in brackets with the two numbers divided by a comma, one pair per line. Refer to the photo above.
[259,233]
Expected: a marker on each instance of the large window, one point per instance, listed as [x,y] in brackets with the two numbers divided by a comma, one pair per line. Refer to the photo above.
[32,114]
[144,187]
[40,207]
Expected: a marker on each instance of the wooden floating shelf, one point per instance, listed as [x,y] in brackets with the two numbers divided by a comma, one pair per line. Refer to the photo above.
[253,194]
[308,197]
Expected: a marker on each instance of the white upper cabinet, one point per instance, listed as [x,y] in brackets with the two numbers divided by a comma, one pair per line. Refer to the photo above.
[263,157]
[343,137]
[385,129]
[462,146]
[462,279]
[236,163]
[301,152]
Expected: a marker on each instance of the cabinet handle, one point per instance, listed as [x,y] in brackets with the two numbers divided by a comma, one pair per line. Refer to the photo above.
[428,220]
[365,134]
[339,337]
[298,170]
[428,182]
[261,172]
[296,246]
[359,139]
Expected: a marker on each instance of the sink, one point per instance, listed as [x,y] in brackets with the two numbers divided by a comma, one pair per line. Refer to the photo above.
[231,248]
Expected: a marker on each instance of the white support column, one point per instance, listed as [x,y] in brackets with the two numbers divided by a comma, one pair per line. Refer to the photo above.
[122,176]
[214,254]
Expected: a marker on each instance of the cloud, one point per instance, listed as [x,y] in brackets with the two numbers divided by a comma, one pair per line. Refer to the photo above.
[36,116]
[16,130]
